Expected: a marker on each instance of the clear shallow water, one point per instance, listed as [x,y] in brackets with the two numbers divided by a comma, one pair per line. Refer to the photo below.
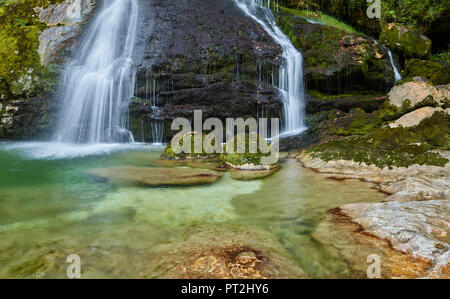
[50,209]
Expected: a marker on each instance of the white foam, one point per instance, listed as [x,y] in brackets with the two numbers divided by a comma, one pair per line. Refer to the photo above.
[55,150]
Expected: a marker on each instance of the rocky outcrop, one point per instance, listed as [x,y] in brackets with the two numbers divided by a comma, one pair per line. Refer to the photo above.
[413,220]
[413,94]
[415,117]
[214,59]
[419,229]
[402,183]
[36,38]
[337,61]
[64,21]
[406,42]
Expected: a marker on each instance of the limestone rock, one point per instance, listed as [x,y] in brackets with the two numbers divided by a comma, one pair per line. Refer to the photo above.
[416,92]
[420,229]
[64,21]
[415,117]
[360,249]
[147,176]
[66,13]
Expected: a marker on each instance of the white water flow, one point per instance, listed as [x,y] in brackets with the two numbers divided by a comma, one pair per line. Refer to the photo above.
[291,73]
[100,82]
[397,74]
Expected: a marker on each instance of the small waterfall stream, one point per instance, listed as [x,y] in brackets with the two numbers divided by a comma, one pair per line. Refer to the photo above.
[291,73]
[397,74]
[100,82]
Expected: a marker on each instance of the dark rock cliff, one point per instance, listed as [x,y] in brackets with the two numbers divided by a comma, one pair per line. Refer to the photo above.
[205,55]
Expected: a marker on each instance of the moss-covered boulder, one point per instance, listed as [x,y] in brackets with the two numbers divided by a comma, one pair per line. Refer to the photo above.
[387,147]
[404,41]
[173,154]
[336,60]
[435,72]
[248,155]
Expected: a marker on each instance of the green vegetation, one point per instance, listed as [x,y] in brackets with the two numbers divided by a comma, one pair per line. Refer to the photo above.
[320,17]
[170,154]
[386,147]
[21,73]
[247,157]
[435,72]
[407,42]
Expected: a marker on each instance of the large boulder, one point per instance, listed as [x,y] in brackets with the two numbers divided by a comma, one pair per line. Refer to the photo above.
[417,93]
[337,61]
[415,117]
[433,71]
[407,42]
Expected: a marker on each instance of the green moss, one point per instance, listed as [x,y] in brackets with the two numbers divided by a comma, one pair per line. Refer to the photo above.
[405,41]
[434,72]
[21,73]
[317,16]
[246,157]
[170,154]
[386,147]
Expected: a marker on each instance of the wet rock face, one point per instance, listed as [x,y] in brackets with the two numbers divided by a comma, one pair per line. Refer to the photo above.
[204,55]
[64,22]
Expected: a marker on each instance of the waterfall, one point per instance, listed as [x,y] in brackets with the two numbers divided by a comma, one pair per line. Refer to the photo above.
[291,73]
[100,82]
[397,74]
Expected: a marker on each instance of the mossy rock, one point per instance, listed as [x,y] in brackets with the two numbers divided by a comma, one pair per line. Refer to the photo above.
[249,158]
[171,154]
[21,72]
[336,60]
[407,42]
[388,147]
[434,72]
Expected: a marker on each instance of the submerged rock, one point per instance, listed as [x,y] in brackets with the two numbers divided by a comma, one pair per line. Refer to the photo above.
[247,175]
[148,176]
[361,250]
[420,229]
[223,252]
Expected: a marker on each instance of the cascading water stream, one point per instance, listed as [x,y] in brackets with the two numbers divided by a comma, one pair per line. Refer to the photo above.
[100,82]
[397,74]
[291,73]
